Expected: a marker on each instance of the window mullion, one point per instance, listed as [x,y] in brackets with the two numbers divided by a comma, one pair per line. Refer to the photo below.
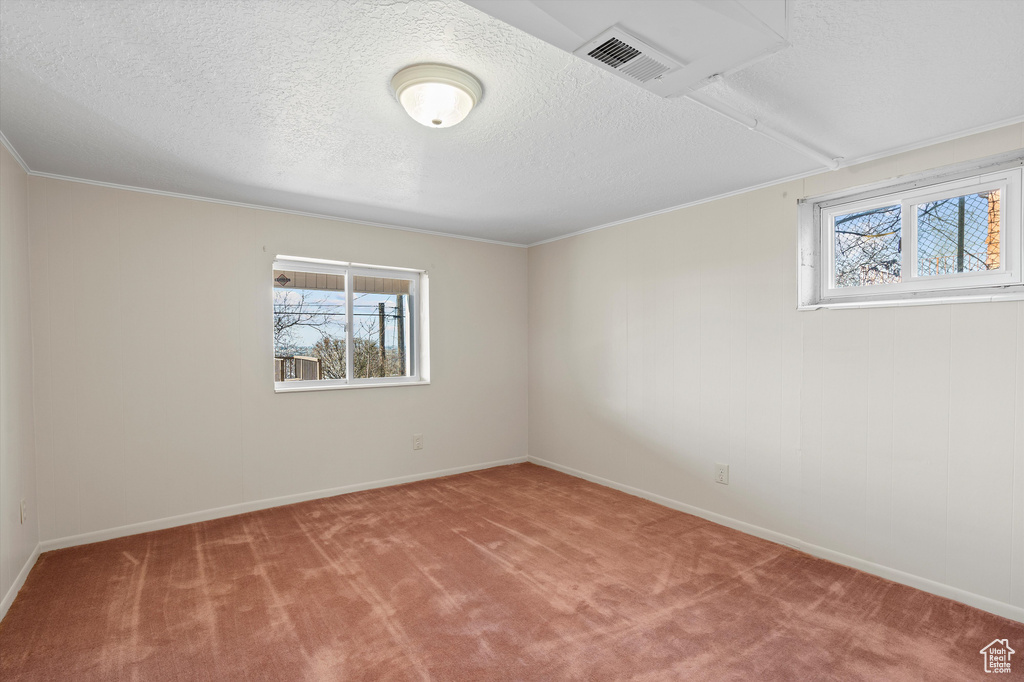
[349,350]
[908,250]
[826,248]
[412,359]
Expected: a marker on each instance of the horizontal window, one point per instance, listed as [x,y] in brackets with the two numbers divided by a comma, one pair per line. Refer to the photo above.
[951,234]
[337,325]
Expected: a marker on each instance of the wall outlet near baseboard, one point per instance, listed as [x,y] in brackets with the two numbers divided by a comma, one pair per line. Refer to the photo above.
[417,441]
[24,510]
[722,474]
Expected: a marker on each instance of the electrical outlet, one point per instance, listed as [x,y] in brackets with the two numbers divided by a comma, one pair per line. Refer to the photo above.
[417,441]
[24,510]
[722,474]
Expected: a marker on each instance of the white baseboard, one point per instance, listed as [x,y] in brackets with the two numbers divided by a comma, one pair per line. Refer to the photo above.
[978,601]
[256,505]
[19,581]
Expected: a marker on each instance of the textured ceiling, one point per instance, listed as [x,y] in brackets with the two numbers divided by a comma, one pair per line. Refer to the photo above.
[288,104]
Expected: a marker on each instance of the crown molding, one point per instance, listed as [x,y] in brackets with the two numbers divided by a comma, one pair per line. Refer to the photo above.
[695,202]
[845,163]
[240,204]
[14,152]
[275,209]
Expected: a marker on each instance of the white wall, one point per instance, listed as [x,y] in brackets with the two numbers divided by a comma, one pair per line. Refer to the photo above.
[153,346]
[17,459]
[892,436]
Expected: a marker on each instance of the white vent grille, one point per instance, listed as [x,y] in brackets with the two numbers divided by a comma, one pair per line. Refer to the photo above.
[613,52]
[624,54]
[627,59]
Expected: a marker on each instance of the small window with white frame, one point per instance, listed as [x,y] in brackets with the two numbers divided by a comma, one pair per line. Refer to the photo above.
[343,325]
[953,234]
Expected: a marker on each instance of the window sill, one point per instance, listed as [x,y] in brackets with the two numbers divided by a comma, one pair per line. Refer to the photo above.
[342,387]
[918,300]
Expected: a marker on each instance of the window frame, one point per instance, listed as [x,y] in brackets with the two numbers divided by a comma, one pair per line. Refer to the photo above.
[417,330]
[816,244]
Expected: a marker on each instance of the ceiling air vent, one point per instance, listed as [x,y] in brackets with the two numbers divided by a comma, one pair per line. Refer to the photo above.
[624,54]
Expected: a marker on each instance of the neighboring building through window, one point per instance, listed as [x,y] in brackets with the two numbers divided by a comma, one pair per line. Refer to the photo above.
[950,234]
[337,324]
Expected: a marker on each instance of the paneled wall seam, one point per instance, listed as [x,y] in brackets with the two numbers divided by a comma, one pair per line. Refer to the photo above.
[49,379]
[1015,559]
[949,448]
[119,216]
[892,438]
[239,370]
[35,506]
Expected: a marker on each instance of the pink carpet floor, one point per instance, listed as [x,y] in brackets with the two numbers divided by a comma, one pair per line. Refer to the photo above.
[513,573]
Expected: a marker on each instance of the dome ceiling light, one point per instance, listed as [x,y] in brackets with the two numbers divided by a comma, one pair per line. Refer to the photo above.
[436,95]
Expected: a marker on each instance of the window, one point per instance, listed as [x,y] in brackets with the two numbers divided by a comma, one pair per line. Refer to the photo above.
[951,234]
[343,325]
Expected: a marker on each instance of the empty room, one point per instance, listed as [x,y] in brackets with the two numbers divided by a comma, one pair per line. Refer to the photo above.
[483,340]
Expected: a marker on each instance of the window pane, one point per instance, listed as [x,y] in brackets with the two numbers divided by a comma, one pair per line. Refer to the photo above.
[309,328]
[381,333]
[960,234]
[867,247]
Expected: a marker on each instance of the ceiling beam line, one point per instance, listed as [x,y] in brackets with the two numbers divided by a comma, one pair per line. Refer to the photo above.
[760,127]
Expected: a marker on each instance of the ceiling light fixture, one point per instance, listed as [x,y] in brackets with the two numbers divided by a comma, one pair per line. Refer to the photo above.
[435,95]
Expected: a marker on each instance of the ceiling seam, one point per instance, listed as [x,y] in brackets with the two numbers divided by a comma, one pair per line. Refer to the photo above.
[759,126]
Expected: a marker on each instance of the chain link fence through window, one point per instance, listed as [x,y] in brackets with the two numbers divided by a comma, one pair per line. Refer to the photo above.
[960,234]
